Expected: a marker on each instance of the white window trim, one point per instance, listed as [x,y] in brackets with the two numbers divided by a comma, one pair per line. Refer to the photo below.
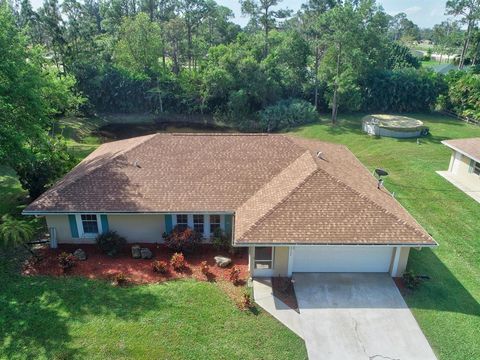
[81,233]
[206,222]
[255,258]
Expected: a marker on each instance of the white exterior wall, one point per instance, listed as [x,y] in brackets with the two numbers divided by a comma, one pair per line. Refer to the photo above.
[460,167]
[142,228]
[136,228]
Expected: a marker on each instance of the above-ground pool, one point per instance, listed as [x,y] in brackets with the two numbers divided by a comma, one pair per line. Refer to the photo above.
[393,126]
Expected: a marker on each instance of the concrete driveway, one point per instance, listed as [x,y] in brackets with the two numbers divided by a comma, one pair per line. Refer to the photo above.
[357,316]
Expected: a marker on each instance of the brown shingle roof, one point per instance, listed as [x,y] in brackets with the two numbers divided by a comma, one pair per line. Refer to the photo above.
[470,147]
[279,190]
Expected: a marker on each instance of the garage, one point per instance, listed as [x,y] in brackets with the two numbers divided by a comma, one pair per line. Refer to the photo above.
[341,258]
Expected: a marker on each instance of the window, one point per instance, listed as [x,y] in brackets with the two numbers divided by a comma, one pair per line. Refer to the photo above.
[263,257]
[182,221]
[198,223]
[89,224]
[214,223]
[476,168]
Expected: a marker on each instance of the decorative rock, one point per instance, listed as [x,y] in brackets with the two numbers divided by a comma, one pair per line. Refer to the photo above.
[146,253]
[136,253]
[222,261]
[80,255]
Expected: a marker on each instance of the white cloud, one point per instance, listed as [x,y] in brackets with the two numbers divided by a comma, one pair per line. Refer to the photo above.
[412,10]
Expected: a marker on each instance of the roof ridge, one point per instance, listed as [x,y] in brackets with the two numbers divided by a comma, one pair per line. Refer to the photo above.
[269,212]
[346,186]
[276,177]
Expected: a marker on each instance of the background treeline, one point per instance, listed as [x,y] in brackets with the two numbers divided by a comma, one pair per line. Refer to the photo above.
[188,57]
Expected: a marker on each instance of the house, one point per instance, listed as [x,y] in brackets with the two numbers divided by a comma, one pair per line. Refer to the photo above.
[298,205]
[464,168]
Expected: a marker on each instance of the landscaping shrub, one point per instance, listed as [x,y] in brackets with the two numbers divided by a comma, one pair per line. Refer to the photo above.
[286,114]
[178,262]
[245,302]
[160,267]
[205,268]
[220,240]
[110,242]
[410,280]
[66,261]
[182,239]
[234,275]
[120,279]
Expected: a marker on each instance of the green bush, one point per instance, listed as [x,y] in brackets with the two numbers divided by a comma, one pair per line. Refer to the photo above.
[402,90]
[286,114]
[220,240]
[463,94]
[66,261]
[182,239]
[111,243]
[410,280]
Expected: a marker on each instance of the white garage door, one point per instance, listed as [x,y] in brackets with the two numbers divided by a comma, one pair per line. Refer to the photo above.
[341,259]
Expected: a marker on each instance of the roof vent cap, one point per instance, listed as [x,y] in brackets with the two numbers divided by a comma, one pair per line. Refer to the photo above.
[320,154]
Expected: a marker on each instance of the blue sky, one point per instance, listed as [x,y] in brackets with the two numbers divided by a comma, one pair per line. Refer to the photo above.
[425,13]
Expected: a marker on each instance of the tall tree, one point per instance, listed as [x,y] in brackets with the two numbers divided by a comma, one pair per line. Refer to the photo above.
[469,11]
[353,38]
[265,14]
[312,29]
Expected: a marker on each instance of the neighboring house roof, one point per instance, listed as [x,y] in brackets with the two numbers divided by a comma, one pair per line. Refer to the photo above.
[279,189]
[468,147]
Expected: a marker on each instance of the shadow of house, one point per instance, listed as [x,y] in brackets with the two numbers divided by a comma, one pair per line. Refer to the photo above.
[443,292]
[36,313]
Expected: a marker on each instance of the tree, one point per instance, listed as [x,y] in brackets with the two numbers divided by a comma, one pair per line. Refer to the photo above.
[469,11]
[14,232]
[312,29]
[262,13]
[140,46]
[401,28]
[352,36]
[194,12]
[447,37]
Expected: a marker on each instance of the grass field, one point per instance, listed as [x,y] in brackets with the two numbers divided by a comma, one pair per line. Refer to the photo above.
[74,318]
[447,306]
[65,318]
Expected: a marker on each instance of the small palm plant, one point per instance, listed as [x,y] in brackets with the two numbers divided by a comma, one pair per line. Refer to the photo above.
[14,232]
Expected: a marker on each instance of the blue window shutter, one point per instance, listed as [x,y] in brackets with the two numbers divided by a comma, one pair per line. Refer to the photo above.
[472,165]
[228,224]
[104,221]
[73,226]
[168,223]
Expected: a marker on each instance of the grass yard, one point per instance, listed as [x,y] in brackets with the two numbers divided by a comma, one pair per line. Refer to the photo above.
[73,318]
[447,307]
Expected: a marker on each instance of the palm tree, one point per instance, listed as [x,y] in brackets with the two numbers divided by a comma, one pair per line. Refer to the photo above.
[14,231]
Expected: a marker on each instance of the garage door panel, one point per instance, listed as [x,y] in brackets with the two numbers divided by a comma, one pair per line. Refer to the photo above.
[341,259]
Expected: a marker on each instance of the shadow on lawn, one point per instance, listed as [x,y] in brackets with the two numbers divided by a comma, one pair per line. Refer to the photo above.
[36,312]
[443,292]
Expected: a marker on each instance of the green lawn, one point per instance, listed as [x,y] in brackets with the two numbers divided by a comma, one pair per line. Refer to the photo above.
[447,307]
[73,318]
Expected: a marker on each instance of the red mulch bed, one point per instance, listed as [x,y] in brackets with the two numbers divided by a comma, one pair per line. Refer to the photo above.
[138,271]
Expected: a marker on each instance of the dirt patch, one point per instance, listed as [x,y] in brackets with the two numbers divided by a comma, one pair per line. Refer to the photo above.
[137,271]
[120,131]
[283,290]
